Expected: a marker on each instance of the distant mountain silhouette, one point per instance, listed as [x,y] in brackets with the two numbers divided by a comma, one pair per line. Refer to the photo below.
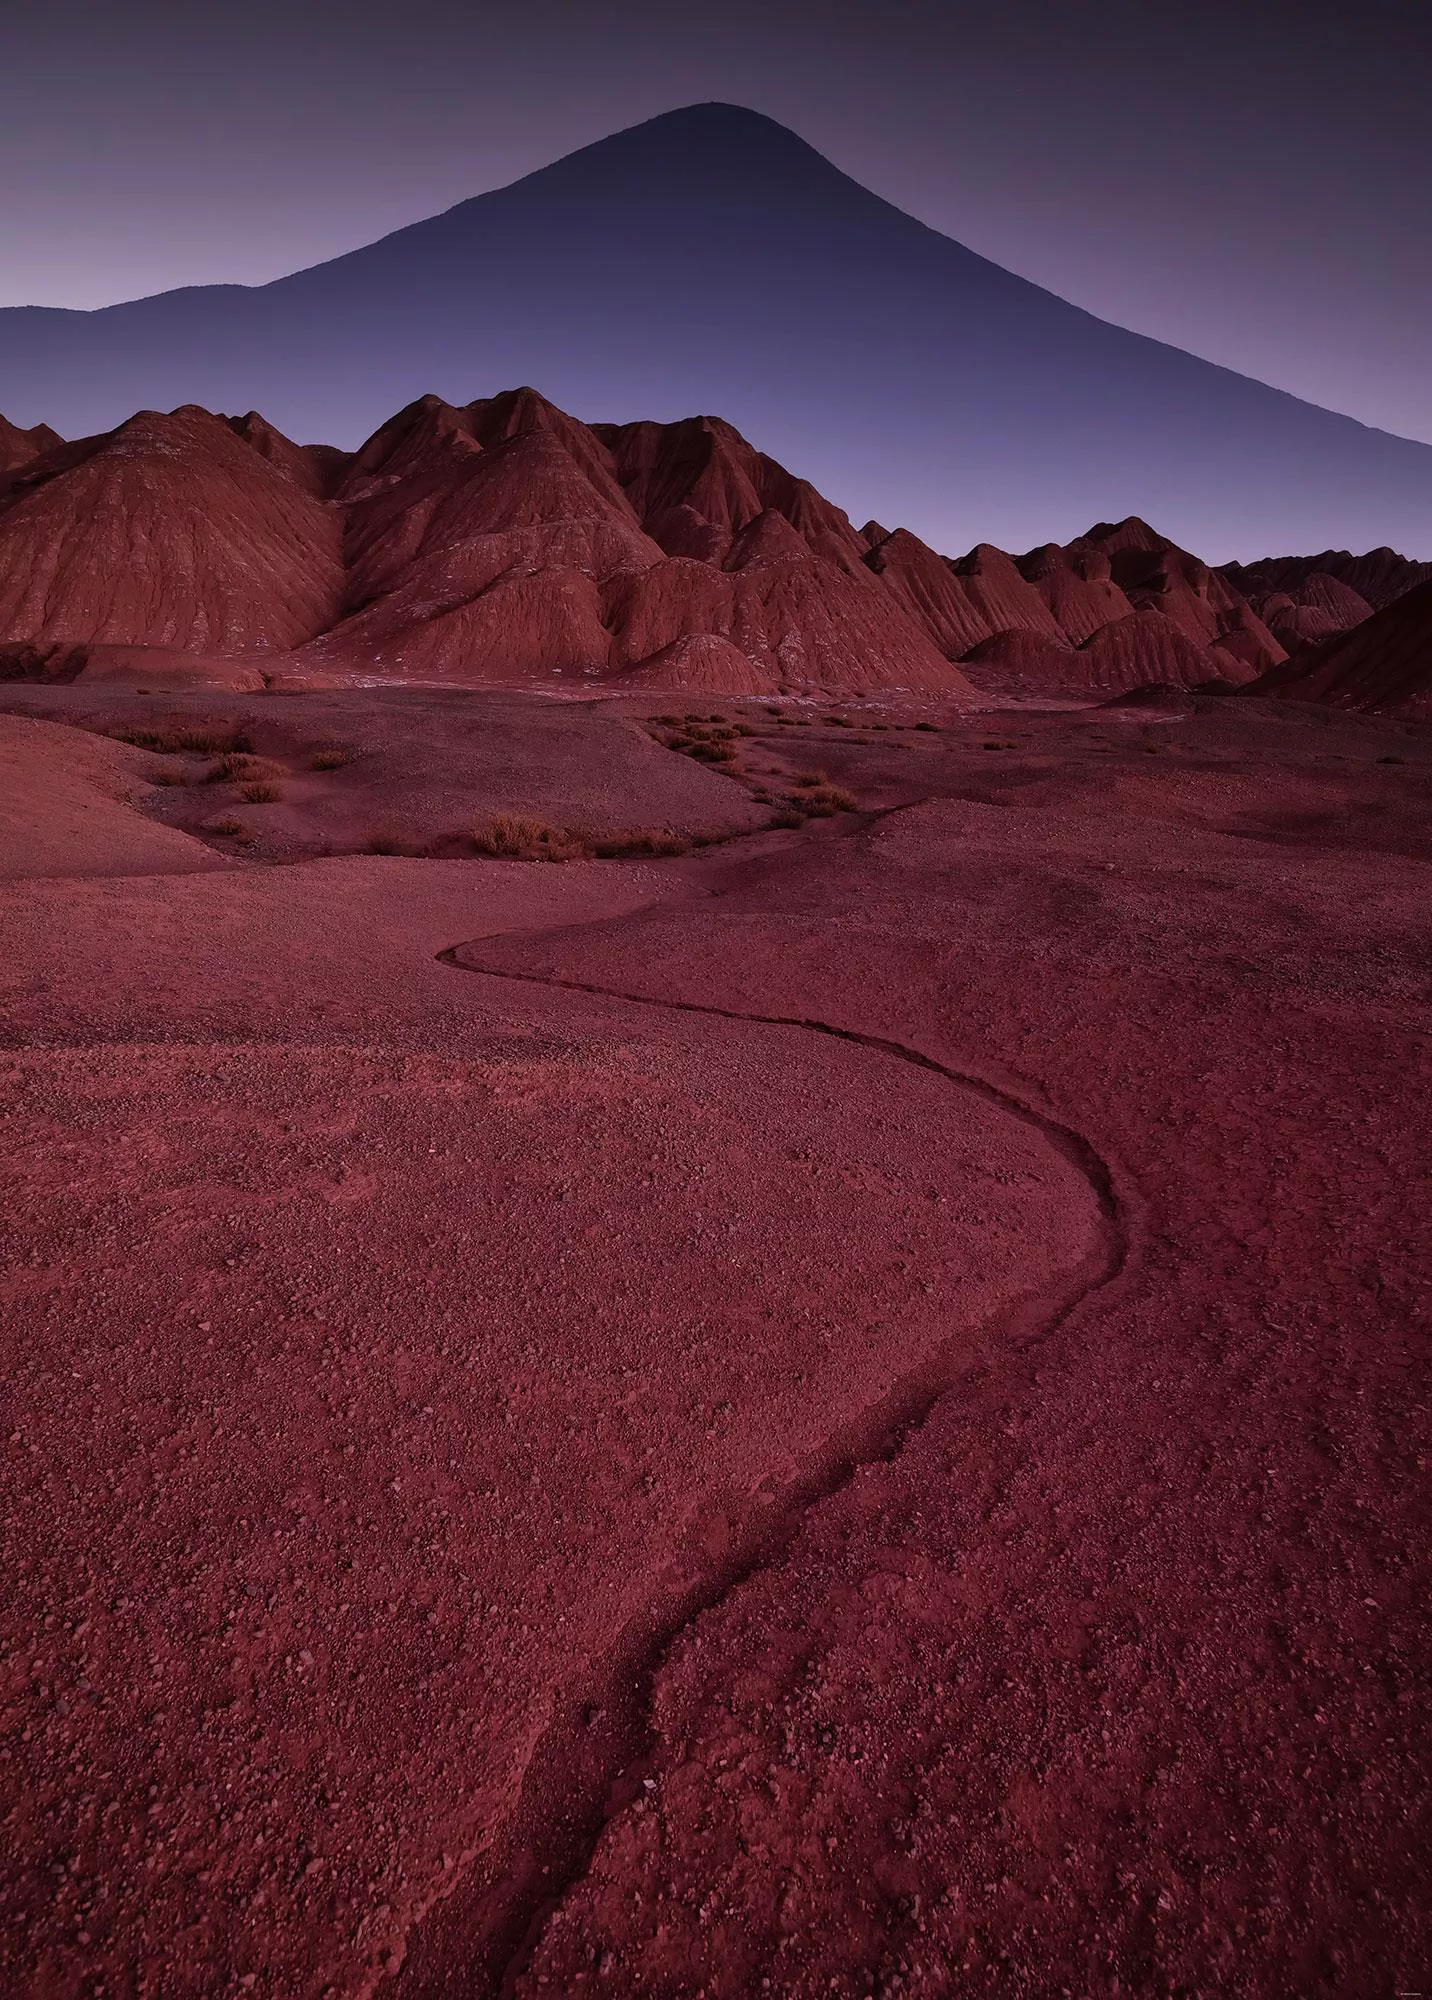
[711,260]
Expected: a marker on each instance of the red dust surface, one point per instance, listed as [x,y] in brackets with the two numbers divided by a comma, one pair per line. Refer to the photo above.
[835,1413]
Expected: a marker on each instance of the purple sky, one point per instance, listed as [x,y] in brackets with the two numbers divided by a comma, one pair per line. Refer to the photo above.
[1248,181]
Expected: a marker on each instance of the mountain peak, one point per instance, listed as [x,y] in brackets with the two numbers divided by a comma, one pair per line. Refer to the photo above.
[710,258]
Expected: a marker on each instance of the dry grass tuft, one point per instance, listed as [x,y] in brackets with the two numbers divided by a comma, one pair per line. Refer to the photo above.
[827,802]
[656,841]
[169,774]
[242,767]
[330,758]
[516,837]
[807,780]
[177,742]
[262,792]
[231,829]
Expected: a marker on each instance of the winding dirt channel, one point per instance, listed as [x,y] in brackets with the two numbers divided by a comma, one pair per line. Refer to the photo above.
[573,1786]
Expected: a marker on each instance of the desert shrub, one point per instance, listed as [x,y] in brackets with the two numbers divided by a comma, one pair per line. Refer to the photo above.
[516,837]
[787,816]
[807,780]
[177,741]
[693,715]
[712,753]
[330,758]
[715,718]
[928,726]
[657,841]
[262,792]
[169,774]
[744,729]
[778,713]
[231,829]
[840,722]
[242,767]
[829,799]
[999,743]
[880,725]
[667,721]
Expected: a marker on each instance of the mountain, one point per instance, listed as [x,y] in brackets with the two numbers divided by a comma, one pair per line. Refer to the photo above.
[170,531]
[18,447]
[710,259]
[1308,599]
[503,541]
[500,541]
[1383,665]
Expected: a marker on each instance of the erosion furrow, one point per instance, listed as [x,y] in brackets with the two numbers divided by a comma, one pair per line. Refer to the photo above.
[596,1750]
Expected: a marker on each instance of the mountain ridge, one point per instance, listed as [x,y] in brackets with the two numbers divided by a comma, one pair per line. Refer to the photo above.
[503,542]
[710,258]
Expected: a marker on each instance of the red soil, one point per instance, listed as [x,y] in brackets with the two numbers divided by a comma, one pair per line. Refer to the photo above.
[836,1416]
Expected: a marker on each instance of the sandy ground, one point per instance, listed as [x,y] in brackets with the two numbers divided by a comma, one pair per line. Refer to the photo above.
[839,1414]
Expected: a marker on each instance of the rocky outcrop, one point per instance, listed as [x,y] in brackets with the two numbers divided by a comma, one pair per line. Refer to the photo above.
[1378,578]
[18,447]
[1383,666]
[1156,575]
[170,531]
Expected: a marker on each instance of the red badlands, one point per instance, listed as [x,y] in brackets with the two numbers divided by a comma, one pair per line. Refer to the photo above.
[505,543]
[755,1331]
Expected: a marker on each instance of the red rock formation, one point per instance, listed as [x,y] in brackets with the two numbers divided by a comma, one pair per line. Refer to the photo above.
[505,540]
[1007,603]
[317,468]
[1379,577]
[166,532]
[19,447]
[700,661]
[1146,647]
[927,586]
[1026,664]
[1156,575]
[696,485]
[502,540]
[1383,665]
[1078,586]
[1322,608]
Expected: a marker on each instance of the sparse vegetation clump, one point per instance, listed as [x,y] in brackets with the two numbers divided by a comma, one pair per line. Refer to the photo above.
[516,837]
[656,841]
[332,757]
[242,767]
[826,801]
[262,792]
[228,828]
[169,774]
[931,727]
[177,742]
[809,780]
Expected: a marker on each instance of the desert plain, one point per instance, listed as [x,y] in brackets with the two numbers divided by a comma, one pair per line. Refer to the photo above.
[694,1345]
